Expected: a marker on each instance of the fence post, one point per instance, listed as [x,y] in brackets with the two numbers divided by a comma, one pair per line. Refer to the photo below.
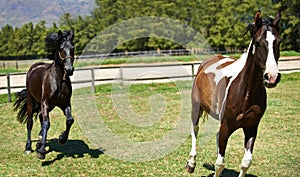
[193,70]
[17,65]
[121,75]
[8,88]
[93,80]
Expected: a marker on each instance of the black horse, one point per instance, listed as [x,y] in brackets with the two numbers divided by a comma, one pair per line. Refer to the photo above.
[48,85]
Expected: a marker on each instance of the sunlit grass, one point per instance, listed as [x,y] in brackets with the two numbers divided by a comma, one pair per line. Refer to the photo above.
[276,151]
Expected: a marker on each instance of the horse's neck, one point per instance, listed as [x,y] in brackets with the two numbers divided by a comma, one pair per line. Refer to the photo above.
[252,73]
[58,70]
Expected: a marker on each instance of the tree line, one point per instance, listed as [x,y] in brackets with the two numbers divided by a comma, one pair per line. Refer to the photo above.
[221,24]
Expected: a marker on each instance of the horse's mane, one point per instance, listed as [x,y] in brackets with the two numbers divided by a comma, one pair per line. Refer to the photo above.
[53,41]
[252,27]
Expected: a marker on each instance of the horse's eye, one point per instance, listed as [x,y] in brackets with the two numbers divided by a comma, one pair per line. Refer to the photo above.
[278,41]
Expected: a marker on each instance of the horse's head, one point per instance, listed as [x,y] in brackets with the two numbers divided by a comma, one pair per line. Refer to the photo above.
[60,47]
[266,42]
[66,50]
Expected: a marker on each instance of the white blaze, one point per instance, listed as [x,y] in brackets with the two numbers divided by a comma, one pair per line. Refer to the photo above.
[271,65]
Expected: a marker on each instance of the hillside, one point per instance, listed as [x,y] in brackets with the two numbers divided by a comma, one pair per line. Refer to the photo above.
[19,12]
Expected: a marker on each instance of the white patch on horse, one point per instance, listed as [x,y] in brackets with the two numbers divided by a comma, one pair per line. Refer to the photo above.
[271,65]
[220,160]
[253,50]
[219,73]
[234,69]
[230,71]
[194,141]
[247,159]
[219,165]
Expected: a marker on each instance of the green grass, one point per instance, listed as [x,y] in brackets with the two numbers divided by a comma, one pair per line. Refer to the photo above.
[289,53]
[276,151]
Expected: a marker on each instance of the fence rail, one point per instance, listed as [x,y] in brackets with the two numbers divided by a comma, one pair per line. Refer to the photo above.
[92,78]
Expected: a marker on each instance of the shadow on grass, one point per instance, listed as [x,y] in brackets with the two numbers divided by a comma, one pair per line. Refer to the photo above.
[226,172]
[72,148]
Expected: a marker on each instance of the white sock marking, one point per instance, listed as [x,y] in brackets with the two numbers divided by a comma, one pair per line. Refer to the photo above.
[194,140]
[247,159]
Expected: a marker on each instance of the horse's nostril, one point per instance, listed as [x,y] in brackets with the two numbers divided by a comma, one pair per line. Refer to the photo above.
[266,76]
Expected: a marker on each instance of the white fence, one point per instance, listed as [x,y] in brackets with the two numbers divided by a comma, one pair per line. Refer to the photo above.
[137,73]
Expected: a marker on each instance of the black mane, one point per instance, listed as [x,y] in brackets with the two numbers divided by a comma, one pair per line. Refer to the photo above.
[53,41]
[252,27]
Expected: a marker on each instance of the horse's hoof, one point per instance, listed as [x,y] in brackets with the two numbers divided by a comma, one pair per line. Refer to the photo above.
[62,139]
[40,155]
[27,152]
[189,168]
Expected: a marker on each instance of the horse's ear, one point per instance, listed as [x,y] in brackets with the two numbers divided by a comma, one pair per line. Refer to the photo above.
[72,34]
[277,20]
[59,34]
[258,20]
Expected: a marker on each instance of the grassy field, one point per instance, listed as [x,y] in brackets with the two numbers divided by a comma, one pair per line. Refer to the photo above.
[276,151]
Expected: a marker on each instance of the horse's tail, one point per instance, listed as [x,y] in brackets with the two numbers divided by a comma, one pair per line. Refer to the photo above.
[20,105]
[205,116]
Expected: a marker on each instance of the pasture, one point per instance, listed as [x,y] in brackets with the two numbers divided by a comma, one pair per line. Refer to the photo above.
[276,151]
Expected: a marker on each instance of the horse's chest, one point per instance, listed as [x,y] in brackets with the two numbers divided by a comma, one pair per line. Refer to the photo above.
[60,92]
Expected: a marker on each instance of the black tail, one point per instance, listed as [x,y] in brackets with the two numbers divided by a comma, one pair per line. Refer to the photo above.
[20,105]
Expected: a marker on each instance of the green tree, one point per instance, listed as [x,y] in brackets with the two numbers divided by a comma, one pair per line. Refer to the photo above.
[290,28]
[6,38]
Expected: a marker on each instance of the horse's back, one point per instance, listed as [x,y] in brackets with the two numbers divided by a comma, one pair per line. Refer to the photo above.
[221,59]
[34,80]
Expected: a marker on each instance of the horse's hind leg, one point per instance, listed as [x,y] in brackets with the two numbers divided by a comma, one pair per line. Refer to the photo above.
[250,136]
[69,121]
[28,147]
[196,114]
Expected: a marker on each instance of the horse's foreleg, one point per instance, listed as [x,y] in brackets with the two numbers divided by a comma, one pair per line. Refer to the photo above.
[222,139]
[41,122]
[250,136]
[196,114]
[41,151]
[69,121]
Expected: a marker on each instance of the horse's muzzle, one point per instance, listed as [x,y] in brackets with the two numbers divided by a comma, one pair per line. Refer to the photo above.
[271,81]
[68,66]
[69,70]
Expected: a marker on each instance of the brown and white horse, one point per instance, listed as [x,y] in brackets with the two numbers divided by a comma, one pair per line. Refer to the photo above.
[233,91]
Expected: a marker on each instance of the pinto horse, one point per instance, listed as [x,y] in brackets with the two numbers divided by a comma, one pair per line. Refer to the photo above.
[48,85]
[233,91]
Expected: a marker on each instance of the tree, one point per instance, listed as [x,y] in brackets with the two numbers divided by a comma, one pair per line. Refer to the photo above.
[222,24]
[290,27]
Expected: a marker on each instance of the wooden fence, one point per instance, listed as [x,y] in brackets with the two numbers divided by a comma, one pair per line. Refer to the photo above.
[93,80]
